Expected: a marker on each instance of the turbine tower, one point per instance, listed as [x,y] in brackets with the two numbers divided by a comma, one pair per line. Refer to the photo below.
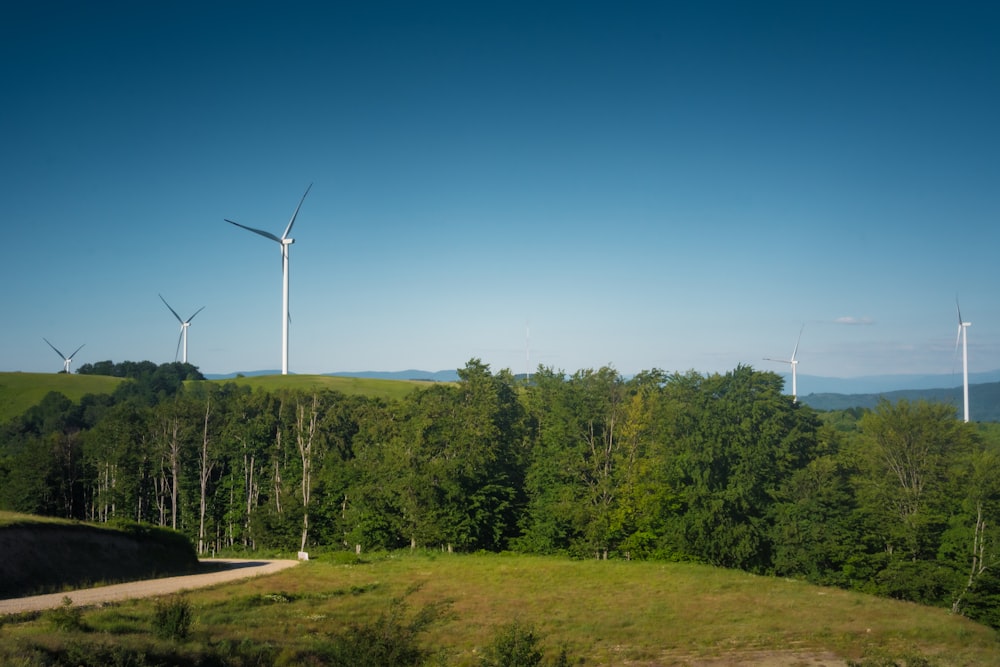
[284,241]
[963,336]
[66,360]
[184,328]
[794,363]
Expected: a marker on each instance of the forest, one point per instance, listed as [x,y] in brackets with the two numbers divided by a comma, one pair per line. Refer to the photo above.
[901,500]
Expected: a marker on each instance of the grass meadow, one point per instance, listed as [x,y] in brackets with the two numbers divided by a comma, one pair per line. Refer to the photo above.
[593,612]
[20,391]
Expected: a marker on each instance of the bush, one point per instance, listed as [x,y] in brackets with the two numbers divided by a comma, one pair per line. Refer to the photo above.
[172,618]
[391,639]
[514,645]
[66,618]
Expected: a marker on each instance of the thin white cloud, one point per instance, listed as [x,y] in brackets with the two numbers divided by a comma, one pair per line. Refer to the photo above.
[851,320]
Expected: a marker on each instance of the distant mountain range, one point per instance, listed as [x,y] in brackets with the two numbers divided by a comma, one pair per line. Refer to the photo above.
[875,384]
[984,400]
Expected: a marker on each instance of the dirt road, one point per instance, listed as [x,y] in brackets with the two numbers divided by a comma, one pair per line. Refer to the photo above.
[231,570]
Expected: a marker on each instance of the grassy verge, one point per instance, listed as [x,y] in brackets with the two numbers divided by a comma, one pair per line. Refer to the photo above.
[597,613]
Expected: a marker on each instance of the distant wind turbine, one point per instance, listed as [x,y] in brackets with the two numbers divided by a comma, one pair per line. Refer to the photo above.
[963,336]
[284,241]
[527,353]
[184,328]
[66,360]
[794,363]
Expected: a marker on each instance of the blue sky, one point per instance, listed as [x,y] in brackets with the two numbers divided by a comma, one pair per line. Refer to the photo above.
[669,185]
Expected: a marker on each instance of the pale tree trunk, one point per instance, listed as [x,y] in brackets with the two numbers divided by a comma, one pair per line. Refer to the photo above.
[978,565]
[252,493]
[175,469]
[278,460]
[304,437]
[205,472]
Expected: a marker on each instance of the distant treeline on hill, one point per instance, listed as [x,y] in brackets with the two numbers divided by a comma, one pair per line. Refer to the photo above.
[141,370]
[900,500]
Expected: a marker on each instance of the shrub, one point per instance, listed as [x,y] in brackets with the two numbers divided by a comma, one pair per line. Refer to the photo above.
[391,639]
[172,618]
[514,645]
[66,617]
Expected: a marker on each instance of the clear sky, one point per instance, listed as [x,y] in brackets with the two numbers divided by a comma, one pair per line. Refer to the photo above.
[645,185]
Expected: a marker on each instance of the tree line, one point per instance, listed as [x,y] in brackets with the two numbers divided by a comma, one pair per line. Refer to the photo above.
[899,501]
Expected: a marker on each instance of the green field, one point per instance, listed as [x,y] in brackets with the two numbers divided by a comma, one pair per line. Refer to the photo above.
[377,388]
[598,613]
[20,391]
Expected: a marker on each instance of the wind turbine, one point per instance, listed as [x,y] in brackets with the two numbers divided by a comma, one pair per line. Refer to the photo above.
[66,360]
[184,328]
[794,363]
[284,241]
[963,336]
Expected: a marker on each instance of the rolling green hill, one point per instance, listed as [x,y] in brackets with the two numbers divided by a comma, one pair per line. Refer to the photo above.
[20,391]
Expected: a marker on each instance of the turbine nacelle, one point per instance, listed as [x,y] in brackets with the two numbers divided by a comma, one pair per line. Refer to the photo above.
[793,362]
[66,360]
[182,338]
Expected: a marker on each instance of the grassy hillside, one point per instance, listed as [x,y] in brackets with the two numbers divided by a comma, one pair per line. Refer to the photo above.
[387,389]
[601,613]
[42,554]
[20,391]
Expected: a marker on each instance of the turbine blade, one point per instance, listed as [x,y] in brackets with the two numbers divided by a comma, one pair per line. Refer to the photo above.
[958,336]
[195,313]
[780,361]
[177,352]
[61,355]
[171,309]
[75,351]
[797,340]
[959,308]
[292,221]
[267,235]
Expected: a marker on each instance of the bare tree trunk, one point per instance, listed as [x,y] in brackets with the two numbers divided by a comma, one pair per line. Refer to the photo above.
[978,565]
[205,472]
[175,470]
[304,437]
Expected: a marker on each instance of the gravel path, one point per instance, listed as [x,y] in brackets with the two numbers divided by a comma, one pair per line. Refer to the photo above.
[233,570]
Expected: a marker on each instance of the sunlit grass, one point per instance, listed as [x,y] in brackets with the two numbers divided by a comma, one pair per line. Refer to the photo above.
[612,612]
[20,391]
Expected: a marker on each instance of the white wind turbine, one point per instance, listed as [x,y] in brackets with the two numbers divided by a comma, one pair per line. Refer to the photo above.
[794,363]
[284,241]
[963,336]
[66,360]
[184,328]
